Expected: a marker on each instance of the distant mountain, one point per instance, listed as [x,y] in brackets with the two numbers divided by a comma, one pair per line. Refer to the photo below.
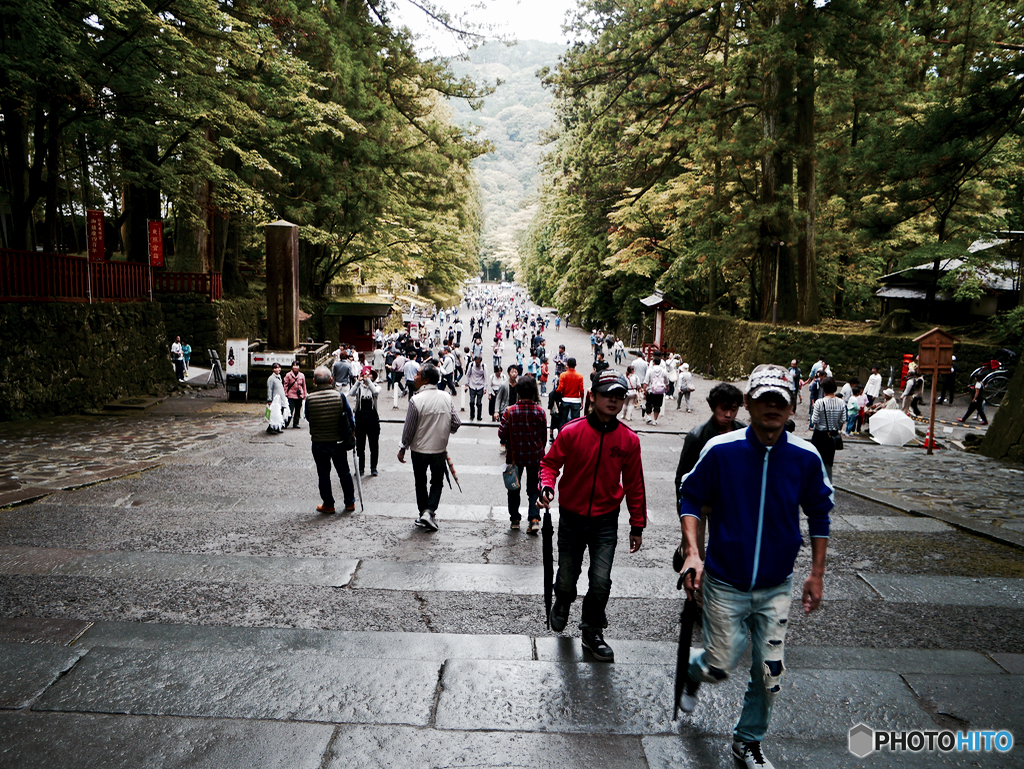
[513,119]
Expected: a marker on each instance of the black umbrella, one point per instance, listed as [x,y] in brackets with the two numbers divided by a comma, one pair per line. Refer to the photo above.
[688,617]
[359,483]
[548,534]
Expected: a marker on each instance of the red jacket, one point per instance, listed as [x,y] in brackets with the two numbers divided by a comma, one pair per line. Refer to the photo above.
[570,384]
[598,460]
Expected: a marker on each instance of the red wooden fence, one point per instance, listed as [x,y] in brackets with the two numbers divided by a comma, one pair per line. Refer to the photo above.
[36,276]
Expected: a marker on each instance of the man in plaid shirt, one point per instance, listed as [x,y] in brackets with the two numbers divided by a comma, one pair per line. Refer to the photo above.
[523,431]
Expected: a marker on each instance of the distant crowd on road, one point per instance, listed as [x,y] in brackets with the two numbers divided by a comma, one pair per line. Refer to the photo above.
[738,561]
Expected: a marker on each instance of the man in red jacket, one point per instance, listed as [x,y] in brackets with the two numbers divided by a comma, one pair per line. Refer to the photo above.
[599,455]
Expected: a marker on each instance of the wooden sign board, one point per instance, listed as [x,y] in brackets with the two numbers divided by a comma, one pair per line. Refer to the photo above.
[935,351]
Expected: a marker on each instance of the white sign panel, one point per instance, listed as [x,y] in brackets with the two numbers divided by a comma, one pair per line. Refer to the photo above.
[270,358]
[237,357]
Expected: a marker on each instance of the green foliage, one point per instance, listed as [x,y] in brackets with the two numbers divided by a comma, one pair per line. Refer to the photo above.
[748,155]
[232,115]
[1010,326]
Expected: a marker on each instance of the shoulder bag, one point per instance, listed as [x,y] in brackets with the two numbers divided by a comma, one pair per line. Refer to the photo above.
[835,435]
[510,476]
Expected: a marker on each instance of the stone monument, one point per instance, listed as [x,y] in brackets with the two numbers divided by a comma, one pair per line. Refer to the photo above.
[282,286]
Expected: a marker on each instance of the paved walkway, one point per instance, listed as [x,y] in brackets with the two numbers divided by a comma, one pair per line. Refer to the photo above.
[202,614]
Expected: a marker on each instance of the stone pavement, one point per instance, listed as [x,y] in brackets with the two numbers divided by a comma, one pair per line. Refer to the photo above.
[202,614]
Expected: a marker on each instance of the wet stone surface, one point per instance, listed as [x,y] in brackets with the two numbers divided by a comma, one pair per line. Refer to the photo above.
[285,687]
[44,741]
[419,749]
[345,644]
[969,485]
[965,591]
[982,702]
[637,699]
[27,669]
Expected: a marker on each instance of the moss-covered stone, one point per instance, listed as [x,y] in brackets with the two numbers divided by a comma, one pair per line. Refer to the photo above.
[64,358]
[1004,438]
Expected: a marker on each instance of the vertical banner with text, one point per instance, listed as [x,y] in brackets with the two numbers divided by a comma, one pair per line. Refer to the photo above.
[94,221]
[156,244]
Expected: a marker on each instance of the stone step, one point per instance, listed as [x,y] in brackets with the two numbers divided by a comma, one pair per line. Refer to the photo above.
[460,694]
[32,636]
[628,582]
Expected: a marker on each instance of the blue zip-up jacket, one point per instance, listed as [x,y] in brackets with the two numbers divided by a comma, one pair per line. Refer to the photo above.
[755,493]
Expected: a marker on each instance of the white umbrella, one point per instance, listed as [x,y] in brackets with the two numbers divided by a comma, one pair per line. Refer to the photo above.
[891,427]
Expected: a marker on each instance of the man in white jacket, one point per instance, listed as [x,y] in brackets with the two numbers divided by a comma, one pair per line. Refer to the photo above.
[429,422]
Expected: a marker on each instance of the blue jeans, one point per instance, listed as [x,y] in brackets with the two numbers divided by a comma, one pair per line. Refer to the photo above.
[570,411]
[324,455]
[728,614]
[577,534]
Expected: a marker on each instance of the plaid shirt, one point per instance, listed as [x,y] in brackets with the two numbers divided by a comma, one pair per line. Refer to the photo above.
[524,430]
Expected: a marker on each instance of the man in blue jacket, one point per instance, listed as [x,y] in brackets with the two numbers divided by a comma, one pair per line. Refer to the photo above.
[754,481]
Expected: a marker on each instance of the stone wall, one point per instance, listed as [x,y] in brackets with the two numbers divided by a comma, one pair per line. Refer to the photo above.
[64,358]
[1004,438]
[739,345]
[206,325]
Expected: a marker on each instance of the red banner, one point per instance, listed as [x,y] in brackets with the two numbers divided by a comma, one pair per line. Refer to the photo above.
[156,244]
[94,222]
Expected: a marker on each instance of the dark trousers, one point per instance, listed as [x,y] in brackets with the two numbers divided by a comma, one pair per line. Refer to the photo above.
[975,405]
[295,404]
[326,454]
[367,430]
[515,497]
[826,447]
[476,403]
[179,368]
[428,499]
[576,535]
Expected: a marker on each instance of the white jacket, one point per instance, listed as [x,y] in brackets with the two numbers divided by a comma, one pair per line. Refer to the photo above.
[430,421]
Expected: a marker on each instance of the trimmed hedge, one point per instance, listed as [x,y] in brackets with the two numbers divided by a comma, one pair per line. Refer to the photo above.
[733,347]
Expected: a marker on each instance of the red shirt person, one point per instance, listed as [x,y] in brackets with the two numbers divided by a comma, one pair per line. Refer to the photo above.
[599,461]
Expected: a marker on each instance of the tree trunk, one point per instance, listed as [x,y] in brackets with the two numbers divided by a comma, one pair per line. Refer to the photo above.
[50,182]
[140,202]
[808,313]
[15,133]
[778,276]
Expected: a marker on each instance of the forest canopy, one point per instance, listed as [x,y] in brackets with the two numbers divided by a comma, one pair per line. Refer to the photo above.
[753,158]
[218,118]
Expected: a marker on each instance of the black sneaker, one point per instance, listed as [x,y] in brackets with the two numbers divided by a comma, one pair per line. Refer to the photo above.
[749,754]
[594,641]
[559,616]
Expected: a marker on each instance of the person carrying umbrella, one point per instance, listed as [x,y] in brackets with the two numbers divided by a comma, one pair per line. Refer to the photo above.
[754,537]
[599,461]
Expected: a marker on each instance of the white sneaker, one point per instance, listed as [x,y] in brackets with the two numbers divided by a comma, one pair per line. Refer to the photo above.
[423,519]
[749,754]
[688,699]
[430,522]
[648,420]
[501,449]
[655,423]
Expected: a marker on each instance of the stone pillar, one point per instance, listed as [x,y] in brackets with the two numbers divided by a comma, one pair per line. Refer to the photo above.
[282,285]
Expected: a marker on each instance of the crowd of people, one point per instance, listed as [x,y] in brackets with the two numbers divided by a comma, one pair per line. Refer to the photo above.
[562,438]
